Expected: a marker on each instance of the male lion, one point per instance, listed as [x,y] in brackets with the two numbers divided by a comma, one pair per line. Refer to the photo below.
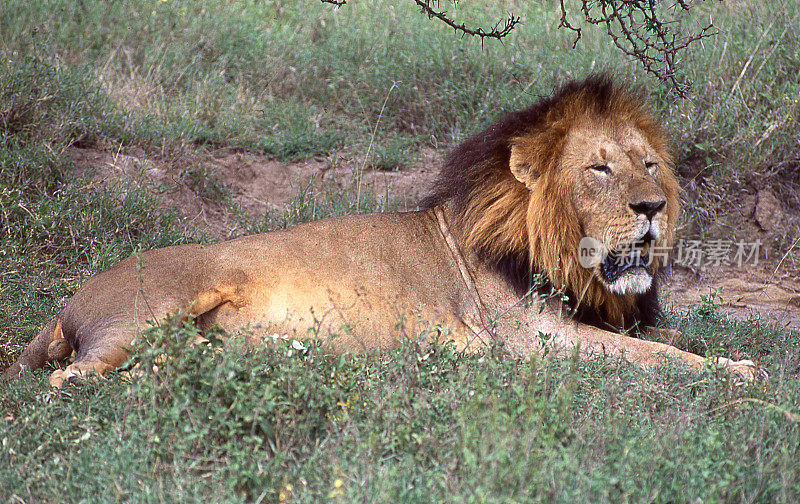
[501,228]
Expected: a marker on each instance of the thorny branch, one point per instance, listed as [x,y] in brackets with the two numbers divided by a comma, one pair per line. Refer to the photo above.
[496,32]
[638,29]
[426,8]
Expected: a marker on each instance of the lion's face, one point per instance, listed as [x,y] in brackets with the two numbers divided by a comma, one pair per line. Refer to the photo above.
[589,164]
[602,211]
[617,188]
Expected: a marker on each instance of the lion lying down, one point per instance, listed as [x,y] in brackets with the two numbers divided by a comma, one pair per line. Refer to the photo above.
[511,207]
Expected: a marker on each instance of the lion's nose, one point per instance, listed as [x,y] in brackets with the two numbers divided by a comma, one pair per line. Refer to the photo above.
[648,208]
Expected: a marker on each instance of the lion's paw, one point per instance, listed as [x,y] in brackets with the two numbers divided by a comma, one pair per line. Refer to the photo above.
[745,369]
[61,377]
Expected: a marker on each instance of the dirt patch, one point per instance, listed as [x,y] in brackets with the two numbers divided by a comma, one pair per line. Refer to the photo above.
[769,291]
[257,181]
[201,186]
[198,185]
[763,208]
[768,211]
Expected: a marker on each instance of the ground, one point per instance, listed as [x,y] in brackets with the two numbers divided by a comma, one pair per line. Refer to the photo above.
[767,290]
[201,187]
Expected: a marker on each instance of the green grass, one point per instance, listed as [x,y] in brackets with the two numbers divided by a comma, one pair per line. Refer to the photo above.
[294,81]
[418,424]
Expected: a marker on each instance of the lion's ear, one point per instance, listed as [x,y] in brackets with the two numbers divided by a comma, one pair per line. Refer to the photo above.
[521,167]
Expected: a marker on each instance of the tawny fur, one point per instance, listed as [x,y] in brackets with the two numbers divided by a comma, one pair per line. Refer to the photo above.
[511,202]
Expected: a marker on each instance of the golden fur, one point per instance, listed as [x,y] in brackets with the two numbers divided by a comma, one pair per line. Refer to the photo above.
[511,204]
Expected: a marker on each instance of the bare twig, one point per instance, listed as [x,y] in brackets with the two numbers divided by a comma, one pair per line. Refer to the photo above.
[790,416]
[780,263]
[750,59]
[639,29]
[369,148]
[500,29]
[495,32]
[775,46]
[644,29]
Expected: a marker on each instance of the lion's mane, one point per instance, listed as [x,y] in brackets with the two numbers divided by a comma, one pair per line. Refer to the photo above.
[524,232]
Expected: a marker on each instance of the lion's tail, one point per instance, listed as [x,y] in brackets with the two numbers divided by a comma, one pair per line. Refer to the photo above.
[48,345]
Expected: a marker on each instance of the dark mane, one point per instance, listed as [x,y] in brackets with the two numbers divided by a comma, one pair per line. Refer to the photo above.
[467,165]
[490,205]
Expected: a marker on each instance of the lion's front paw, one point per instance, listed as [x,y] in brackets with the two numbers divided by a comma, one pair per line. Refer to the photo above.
[57,378]
[746,369]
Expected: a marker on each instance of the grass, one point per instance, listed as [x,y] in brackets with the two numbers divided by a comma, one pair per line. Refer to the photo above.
[417,424]
[294,82]
[420,424]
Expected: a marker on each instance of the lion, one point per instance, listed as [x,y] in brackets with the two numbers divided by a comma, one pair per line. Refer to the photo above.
[494,255]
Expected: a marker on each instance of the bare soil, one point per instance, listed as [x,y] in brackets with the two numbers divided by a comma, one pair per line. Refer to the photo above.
[767,291]
[199,185]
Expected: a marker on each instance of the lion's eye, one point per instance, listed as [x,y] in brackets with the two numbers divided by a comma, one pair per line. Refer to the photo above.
[651,165]
[601,168]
